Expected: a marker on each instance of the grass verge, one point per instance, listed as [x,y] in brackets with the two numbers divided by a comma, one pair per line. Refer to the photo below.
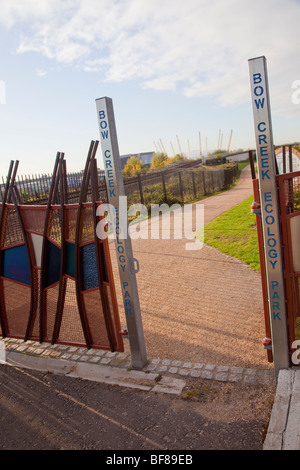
[234,233]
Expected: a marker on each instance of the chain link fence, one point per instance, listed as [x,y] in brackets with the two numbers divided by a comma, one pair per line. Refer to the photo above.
[178,186]
[181,184]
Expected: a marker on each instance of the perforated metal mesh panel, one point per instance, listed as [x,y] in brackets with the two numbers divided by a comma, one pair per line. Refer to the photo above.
[72,305]
[17,304]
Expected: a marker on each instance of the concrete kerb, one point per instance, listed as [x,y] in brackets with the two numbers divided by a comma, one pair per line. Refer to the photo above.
[160,375]
[95,365]
[284,426]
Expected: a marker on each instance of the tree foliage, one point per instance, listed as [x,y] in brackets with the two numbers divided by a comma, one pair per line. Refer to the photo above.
[133,167]
[160,160]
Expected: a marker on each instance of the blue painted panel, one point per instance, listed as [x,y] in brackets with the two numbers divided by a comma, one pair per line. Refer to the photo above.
[70,259]
[103,264]
[15,265]
[88,265]
[53,264]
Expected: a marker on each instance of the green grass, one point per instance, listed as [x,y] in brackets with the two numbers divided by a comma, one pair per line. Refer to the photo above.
[242,165]
[235,234]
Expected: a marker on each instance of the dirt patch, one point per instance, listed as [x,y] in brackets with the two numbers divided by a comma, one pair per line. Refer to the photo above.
[232,406]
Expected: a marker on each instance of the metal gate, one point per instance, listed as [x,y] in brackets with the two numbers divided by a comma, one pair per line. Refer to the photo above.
[56,281]
[288,191]
[289,201]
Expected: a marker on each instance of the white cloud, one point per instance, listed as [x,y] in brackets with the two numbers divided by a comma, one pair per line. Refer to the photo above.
[13,11]
[198,47]
[163,83]
[41,72]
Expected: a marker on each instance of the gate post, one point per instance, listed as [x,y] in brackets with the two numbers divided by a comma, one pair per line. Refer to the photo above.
[269,211]
[115,189]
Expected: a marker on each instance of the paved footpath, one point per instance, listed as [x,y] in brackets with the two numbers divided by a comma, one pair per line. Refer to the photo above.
[216,205]
[199,306]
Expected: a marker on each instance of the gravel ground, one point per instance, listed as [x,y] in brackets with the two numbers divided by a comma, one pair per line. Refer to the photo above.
[199,305]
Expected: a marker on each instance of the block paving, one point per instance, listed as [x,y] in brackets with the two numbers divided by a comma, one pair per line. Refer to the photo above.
[169,367]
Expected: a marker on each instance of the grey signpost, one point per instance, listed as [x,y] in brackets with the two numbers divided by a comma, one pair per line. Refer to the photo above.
[126,262]
[269,210]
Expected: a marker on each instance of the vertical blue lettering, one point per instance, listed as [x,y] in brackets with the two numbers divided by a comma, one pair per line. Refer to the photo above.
[257,78]
[260,103]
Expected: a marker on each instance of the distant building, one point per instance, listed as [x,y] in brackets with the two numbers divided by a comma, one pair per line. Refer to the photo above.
[146,158]
[241,156]
[101,173]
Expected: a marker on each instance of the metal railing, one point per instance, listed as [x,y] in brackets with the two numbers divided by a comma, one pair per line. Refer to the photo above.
[181,183]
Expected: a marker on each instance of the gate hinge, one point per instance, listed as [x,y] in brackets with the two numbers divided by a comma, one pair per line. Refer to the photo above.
[124,332]
[267,343]
[255,208]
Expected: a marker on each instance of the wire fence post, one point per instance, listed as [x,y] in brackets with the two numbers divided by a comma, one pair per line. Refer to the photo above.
[194,185]
[290,158]
[164,187]
[203,183]
[180,186]
[283,160]
[140,188]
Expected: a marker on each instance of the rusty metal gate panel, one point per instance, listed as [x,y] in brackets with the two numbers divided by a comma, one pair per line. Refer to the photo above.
[288,189]
[56,281]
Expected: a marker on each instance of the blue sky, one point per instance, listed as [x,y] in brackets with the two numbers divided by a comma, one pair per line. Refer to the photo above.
[172,68]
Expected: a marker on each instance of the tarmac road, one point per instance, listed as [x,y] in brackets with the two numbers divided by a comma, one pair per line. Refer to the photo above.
[42,411]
